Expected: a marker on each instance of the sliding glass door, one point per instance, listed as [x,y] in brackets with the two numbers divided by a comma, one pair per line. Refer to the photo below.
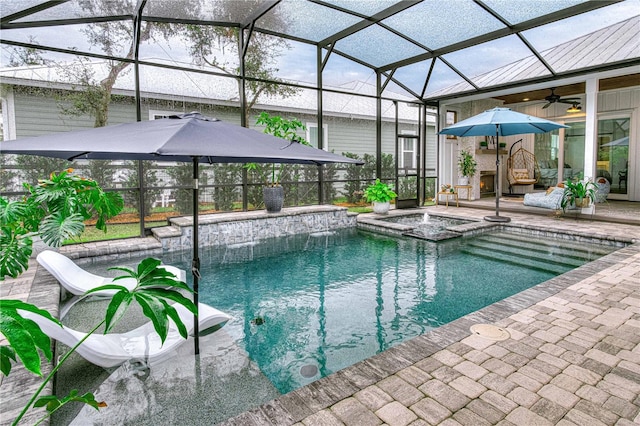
[562,153]
[613,153]
[573,150]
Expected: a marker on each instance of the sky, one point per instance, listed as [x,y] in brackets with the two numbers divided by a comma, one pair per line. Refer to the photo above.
[299,64]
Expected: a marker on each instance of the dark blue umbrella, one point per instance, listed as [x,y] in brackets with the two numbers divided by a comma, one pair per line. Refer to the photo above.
[500,122]
[185,137]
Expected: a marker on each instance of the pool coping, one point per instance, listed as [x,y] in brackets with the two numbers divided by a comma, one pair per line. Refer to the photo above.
[308,400]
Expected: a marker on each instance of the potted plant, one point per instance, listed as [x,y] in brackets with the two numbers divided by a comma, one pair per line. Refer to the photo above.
[467,166]
[502,145]
[273,192]
[54,210]
[380,194]
[484,144]
[446,188]
[579,194]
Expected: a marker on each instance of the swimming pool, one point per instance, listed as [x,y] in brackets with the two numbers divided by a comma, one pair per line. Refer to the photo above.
[324,301]
[308,306]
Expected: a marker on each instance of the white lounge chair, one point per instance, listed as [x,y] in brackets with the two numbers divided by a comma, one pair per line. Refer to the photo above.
[141,344]
[77,281]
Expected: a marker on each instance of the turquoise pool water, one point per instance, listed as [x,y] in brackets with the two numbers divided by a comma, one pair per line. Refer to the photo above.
[308,306]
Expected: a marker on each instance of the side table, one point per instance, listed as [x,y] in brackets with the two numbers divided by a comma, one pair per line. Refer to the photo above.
[467,187]
[446,198]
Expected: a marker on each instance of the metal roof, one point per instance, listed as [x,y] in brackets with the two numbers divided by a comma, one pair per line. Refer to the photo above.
[614,44]
[421,46]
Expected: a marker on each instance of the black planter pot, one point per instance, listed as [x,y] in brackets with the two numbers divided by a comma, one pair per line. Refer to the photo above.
[273,197]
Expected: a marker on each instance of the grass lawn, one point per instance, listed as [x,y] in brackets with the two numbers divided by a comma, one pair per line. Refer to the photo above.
[114,231]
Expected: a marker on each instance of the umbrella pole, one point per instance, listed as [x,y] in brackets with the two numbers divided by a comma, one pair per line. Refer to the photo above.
[497,217]
[195,263]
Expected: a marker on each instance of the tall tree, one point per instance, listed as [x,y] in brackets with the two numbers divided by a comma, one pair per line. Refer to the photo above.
[116,38]
[221,48]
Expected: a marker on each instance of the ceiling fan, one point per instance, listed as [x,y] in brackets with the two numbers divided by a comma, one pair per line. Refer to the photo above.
[553,98]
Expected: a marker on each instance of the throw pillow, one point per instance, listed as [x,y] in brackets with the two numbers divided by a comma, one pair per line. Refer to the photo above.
[550,189]
[521,173]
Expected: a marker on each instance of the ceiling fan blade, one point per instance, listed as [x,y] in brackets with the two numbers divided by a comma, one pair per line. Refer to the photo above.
[546,106]
[568,101]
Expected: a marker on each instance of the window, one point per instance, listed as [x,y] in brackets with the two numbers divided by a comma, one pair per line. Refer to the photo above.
[407,151]
[156,115]
[451,118]
[312,135]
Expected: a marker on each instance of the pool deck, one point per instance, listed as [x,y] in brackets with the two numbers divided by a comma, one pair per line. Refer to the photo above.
[573,356]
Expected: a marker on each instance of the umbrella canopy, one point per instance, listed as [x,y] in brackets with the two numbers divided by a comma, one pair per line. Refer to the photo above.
[619,142]
[176,138]
[186,137]
[500,122]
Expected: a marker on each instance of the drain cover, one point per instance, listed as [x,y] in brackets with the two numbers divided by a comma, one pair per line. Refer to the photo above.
[308,371]
[490,332]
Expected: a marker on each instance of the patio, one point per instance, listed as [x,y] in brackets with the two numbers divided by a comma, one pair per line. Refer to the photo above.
[572,358]
[366,77]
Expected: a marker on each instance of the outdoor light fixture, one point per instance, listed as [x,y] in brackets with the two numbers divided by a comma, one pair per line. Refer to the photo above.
[574,108]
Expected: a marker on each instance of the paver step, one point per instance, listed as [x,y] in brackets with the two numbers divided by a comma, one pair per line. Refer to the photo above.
[538,254]
[516,260]
[600,250]
[565,249]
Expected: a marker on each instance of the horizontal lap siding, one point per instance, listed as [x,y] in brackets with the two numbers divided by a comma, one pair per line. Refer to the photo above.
[37,115]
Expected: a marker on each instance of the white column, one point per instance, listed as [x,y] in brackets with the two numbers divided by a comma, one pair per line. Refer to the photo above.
[591,129]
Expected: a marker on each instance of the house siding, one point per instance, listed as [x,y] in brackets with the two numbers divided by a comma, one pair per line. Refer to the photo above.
[38,114]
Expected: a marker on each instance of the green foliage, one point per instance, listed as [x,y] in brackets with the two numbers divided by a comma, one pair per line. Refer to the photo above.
[6,176]
[575,192]
[53,403]
[300,184]
[282,128]
[408,187]
[19,56]
[55,209]
[353,188]
[150,295]
[33,167]
[388,166]
[24,336]
[182,173]
[430,187]
[155,291]
[151,182]
[205,44]
[226,177]
[101,171]
[356,176]
[330,174]
[379,192]
[86,97]
[467,164]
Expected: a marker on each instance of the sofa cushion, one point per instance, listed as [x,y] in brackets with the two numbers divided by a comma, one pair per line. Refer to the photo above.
[542,199]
